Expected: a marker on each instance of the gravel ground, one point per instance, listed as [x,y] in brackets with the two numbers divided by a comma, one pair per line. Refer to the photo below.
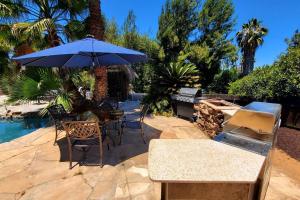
[288,140]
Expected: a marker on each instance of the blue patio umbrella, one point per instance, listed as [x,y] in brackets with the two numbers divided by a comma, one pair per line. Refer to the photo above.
[87,52]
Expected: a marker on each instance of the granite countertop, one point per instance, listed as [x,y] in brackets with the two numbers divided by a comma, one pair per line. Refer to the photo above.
[201,161]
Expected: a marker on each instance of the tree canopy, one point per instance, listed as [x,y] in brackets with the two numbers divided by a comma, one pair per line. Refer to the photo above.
[200,31]
[276,82]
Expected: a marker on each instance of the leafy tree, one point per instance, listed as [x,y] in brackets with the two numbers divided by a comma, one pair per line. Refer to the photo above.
[294,42]
[249,39]
[201,33]
[177,21]
[221,81]
[145,71]
[212,48]
[130,34]
[132,39]
[112,32]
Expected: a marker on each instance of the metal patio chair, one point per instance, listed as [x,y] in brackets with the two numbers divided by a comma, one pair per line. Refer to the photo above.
[135,124]
[58,114]
[83,135]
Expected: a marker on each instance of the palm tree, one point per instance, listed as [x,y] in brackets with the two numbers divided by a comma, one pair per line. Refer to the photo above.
[39,17]
[249,39]
[96,28]
[36,24]
[95,22]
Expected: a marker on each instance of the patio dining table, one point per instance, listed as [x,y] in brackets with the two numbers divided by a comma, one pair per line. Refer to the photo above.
[111,121]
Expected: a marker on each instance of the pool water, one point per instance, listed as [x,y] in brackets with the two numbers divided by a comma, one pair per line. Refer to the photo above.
[11,129]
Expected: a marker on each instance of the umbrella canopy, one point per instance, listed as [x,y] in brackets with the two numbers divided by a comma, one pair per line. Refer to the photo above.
[87,52]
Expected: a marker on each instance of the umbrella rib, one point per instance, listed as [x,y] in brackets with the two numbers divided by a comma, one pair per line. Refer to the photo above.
[103,54]
[68,60]
[83,54]
[128,63]
[24,64]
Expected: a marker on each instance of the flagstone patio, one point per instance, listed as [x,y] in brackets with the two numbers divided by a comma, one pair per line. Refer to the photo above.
[32,168]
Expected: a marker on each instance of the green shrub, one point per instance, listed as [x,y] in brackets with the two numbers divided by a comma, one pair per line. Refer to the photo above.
[221,81]
[276,82]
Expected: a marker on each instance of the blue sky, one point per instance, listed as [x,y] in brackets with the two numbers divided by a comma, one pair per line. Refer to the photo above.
[281,17]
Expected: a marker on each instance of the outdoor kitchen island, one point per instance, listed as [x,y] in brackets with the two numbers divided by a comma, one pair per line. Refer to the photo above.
[203,169]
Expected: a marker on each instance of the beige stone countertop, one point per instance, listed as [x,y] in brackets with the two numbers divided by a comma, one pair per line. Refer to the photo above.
[201,161]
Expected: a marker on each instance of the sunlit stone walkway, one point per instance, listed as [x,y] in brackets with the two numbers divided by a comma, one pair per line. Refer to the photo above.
[32,168]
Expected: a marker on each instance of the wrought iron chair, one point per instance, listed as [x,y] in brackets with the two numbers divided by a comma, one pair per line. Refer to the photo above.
[135,124]
[83,135]
[58,114]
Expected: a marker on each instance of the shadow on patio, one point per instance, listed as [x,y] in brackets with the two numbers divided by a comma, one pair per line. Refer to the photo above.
[132,145]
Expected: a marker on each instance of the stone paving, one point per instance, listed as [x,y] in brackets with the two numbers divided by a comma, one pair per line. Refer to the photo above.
[32,168]
[19,108]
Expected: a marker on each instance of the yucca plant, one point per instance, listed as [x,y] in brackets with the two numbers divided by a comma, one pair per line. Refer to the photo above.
[173,76]
[178,75]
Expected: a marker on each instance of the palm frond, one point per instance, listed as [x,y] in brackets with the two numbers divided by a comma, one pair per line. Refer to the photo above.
[39,27]
[4,9]
[18,29]
[65,99]
[33,84]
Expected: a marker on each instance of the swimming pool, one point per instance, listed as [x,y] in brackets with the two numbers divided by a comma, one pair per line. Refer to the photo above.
[11,129]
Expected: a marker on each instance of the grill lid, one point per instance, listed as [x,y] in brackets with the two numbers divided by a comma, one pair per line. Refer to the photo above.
[260,117]
[189,92]
[271,108]
[190,95]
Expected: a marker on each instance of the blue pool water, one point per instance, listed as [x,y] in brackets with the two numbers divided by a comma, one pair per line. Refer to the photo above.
[11,129]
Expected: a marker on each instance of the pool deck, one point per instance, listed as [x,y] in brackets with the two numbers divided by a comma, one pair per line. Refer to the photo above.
[19,108]
[32,168]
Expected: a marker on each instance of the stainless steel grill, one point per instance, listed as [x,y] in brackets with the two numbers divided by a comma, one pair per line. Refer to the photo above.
[185,100]
[254,128]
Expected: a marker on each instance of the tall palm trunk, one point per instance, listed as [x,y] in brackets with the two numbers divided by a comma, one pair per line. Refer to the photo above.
[100,90]
[53,38]
[22,49]
[95,23]
[248,61]
[96,28]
